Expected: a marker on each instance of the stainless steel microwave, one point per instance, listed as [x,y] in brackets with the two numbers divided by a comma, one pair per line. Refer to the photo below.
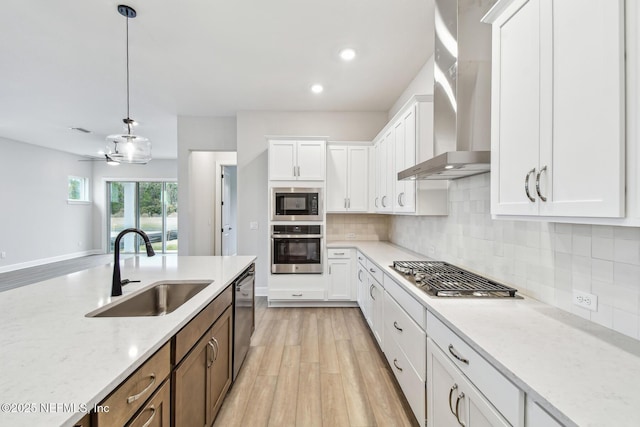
[296,204]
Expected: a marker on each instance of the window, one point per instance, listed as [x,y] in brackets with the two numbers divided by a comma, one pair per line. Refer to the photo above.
[151,206]
[78,189]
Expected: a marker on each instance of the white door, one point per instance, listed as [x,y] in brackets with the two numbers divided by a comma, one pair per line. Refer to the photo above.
[311,160]
[582,141]
[229,210]
[515,111]
[282,160]
[358,177]
[336,194]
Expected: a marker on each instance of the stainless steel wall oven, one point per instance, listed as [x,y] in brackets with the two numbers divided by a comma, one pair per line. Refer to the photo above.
[296,204]
[296,249]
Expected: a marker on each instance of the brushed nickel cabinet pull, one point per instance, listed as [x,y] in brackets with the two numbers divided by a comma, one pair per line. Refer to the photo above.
[384,205]
[395,363]
[453,388]
[453,352]
[296,295]
[375,202]
[215,341]
[153,414]
[210,357]
[460,397]
[395,325]
[135,397]
[544,199]
[526,184]
[360,275]
[370,292]
[400,197]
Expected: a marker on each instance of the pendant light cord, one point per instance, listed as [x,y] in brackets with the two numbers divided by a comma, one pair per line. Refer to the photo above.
[128,117]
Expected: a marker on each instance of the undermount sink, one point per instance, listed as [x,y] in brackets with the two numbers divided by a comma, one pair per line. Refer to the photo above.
[159,299]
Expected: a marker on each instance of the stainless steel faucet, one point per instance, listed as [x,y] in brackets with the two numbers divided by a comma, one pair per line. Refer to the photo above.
[116,284]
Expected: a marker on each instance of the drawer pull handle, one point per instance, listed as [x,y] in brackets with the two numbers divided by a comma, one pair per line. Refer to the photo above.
[543,198]
[453,388]
[395,325]
[360,275]
[372,270]
[452,350]
[460,397]
[296,295]
[135,397]
[210,356]
[526,184]
[395,363]
[153,415]
[338,253]
[370,292]
[215,341]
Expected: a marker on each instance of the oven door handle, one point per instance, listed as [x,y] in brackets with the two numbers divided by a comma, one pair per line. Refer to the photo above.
[296,236]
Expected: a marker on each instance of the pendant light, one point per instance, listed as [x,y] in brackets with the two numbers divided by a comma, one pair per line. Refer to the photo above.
[128,148]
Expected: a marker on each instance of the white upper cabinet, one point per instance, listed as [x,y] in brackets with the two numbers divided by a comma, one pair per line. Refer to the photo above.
[405,141]
[558,139]
[296,160]
[347,178]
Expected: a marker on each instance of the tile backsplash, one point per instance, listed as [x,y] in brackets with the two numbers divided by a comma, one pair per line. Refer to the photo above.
[357,227]
[544,260]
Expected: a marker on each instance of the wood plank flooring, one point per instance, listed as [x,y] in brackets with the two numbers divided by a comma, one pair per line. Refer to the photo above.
[313,367]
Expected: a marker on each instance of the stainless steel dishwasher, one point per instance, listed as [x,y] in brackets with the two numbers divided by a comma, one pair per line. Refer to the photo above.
[243,316]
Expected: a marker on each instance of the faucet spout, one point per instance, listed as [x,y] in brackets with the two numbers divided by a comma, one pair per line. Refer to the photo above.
[117,282]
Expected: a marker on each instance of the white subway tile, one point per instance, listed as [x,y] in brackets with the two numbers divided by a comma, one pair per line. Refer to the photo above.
[604,291]
[627,233]
[602,270]
[581,245]
[563,228]
[581,229]
[563,243]
[626,275]
[604,315]
[602,231]
[602,248]
[627,251]
[626,299]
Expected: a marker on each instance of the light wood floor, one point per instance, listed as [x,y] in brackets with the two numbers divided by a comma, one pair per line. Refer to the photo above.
[313,367]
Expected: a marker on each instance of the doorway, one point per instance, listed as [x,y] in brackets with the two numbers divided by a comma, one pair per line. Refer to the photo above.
[229,211]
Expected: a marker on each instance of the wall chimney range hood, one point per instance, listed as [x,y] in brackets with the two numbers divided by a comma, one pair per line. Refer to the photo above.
[461,93]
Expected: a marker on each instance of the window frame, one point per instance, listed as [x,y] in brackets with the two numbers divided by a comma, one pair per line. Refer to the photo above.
[85,197]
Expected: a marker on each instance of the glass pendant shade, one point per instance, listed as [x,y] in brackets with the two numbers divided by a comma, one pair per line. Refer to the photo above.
[129,148]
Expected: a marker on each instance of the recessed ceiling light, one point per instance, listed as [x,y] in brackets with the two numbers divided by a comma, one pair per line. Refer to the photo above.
[317,88]
[347,54]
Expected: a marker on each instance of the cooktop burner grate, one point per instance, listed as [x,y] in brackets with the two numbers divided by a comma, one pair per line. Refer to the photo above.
[442,279]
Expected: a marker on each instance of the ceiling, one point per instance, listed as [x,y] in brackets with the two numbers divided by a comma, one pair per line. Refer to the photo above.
[63,63]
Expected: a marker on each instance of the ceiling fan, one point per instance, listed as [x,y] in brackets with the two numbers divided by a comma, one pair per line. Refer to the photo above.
[112,157]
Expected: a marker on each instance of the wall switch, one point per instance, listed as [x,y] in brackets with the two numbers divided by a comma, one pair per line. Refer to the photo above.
[351,236]
[253,225]
[585,300]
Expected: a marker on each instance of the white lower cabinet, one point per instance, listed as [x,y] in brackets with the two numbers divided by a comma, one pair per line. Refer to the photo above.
[339,277]
[376,309]
[452,399]
[362,286]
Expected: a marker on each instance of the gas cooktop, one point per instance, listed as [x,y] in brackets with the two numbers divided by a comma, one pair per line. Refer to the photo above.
[438,278]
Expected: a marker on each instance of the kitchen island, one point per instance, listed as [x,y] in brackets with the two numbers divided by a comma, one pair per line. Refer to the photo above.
[56,364]
[579,372]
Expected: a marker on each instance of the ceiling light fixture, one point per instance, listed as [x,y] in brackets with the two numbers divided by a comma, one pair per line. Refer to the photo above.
[317,88]
[137,149]
[347,54]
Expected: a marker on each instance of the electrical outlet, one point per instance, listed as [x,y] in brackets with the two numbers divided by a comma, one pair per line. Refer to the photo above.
[3,254]
[351,236]
[585,300]
[253,225]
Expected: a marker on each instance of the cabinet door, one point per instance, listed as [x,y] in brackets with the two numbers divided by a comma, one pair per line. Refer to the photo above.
[190,381]
[219,372]
[311,160]
[377,311]
[358,176]
[282,160]
[339,279]
[399,153]
[408,198]
[363,287]
[385,170]
[378,149]
[337,179]
[515,122]
[442,391]
[582,141]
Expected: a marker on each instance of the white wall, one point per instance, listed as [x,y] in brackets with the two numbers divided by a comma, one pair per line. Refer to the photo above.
[37,225]
[204,201]
[155,170]
[198,134]
[252,165]
[421,84]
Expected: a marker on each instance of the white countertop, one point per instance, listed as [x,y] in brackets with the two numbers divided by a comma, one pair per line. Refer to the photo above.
[52,354]
[580,372]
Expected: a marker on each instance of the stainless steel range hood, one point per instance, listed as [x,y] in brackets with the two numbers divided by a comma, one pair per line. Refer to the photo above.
[462,93]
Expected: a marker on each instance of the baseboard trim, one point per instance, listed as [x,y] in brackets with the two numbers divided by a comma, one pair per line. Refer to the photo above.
[42,261]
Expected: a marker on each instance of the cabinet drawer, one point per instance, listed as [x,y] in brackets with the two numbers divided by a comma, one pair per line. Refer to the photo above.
[157,412]
[503,394]
[133,392]
[411,339]
[361,258]
[293,294]
[375,271]
[406,301]
[412,385]
[189,335]
[339,253]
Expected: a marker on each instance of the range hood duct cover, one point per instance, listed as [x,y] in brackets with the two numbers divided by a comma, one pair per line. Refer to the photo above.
[461,93]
